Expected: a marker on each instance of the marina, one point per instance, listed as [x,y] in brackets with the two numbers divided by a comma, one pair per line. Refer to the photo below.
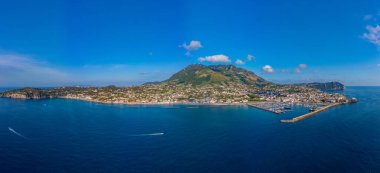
[279,108]
[314,112]
[270,107]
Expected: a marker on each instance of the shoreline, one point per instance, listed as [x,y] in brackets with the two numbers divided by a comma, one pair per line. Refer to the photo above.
[254,105]
[310,114]
[136,103]
[159,103]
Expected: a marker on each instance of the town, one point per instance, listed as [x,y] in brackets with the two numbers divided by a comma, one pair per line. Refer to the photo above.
[166,93]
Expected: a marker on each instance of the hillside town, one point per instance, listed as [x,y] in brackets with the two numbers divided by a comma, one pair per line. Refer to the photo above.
[200,84]
[166,93]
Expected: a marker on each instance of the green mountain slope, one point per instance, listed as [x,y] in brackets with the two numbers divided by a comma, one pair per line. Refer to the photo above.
[198,74]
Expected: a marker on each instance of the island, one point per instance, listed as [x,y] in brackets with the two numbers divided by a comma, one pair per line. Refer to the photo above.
[199,84]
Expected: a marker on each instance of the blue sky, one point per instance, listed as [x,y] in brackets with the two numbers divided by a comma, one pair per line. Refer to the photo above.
[53,43]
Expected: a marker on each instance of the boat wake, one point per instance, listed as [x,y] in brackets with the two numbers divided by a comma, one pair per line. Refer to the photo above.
[16,133]
[148,134]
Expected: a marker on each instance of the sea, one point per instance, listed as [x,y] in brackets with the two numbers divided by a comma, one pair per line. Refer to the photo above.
[62,135]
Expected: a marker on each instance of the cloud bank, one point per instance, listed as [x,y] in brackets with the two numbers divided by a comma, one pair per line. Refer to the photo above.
[19,70]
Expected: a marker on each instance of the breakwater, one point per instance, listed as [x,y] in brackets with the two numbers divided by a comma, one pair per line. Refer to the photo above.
[295,119]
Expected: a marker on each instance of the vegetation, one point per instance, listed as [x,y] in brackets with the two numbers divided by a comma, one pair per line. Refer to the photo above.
[198,74]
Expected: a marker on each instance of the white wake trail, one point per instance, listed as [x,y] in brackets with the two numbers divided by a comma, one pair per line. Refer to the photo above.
[16,133]
[149,134]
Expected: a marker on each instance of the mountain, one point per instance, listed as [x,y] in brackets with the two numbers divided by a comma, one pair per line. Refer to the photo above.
[198,74]
[332,86]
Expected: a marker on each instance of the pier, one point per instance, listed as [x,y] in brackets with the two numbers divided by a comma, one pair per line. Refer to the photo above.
[295,119]
[277,111]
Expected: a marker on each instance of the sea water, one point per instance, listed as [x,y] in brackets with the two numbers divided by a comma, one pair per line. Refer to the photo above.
[62,135]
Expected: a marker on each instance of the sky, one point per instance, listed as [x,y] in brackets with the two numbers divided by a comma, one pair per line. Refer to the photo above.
[124,43]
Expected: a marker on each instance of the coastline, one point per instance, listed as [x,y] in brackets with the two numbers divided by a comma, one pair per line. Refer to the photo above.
[158,103]
[254,105]
[137,103]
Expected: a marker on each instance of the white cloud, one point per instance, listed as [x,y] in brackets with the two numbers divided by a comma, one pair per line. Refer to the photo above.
[215,58]
[18,69]
[192,46]
[268,69]
[373,34]
[239,62]
[250,57]
[302,66]
[368,17]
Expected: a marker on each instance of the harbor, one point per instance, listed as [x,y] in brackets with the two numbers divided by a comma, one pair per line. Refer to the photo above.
[316,111]
[279,108]
[313,108]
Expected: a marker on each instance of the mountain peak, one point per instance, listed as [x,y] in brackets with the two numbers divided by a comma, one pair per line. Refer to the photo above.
[198,74]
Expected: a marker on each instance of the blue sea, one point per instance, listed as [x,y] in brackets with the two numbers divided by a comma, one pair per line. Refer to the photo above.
[59,135]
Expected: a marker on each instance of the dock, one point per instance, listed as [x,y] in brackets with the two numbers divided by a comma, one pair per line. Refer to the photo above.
[258,107]
[295,119]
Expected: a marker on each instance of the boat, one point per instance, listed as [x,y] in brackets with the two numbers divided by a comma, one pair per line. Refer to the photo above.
[354,100]
[312,109]
[278,111]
